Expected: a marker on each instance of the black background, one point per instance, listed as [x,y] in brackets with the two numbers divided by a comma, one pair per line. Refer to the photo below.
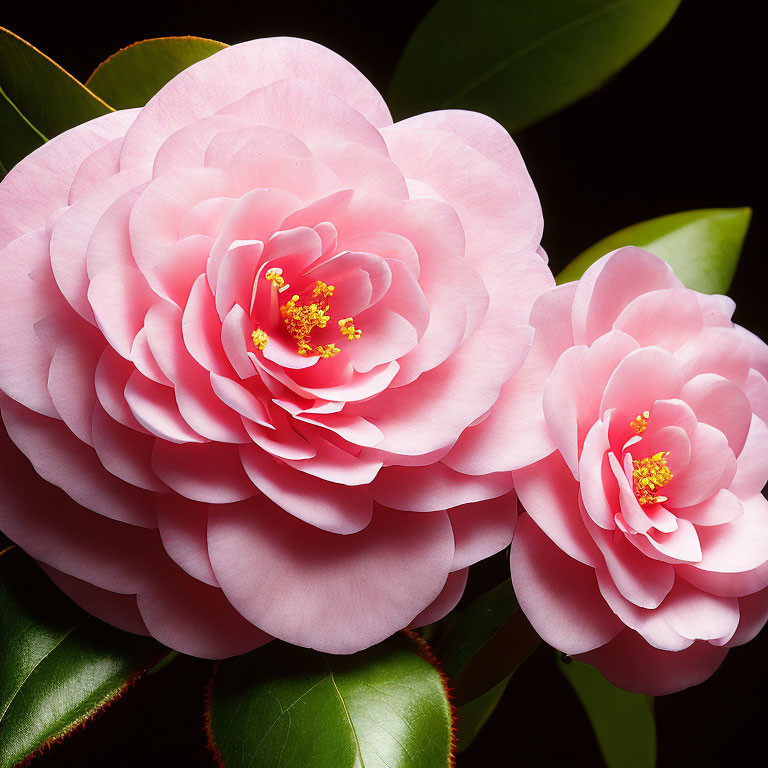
[682,127]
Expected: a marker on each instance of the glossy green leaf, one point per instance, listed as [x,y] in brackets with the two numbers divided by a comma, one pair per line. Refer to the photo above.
[38,99]
[702,246]
[623,722]
[287,707]
[480,652]
[18,137]
[133,75]
[58,665]
[520,60]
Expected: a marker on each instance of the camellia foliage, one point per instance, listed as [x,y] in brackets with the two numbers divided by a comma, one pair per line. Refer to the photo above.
[277,373]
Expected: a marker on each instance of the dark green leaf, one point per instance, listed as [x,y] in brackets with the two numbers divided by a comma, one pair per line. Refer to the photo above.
[133,75]
[18,137]
[520,60]
[287,707]
[623,722]
[480,652]
[48,97]
[58,665]
[702,246]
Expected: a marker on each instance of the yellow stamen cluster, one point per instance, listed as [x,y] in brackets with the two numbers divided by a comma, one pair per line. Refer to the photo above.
[650,474]
[348,330]
[260,338]
[275,276]
[640,423]
[301,319]
[323,290]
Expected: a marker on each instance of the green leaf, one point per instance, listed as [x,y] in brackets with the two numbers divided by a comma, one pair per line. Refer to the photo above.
[702,246]
[38,99]
[484,646]
[520,60]
[133,75]
[623,722]
[58,665]
[287,707]
[18,137]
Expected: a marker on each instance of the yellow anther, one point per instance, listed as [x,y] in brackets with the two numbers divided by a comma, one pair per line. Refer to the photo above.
[260,338]
[347,328]
[275,276]
[650,474]
[327,350]
[640,423]
[323,289]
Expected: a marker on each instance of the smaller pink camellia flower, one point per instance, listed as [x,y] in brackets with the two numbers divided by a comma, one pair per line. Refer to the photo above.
[644,545]
[241,328]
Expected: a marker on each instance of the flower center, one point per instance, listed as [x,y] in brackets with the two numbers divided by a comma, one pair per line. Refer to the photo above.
[300,318]
[640,423]
[650,474]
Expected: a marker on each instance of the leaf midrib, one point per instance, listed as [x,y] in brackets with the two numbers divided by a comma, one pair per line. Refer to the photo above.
[39,662]
[490,73]
[346,710]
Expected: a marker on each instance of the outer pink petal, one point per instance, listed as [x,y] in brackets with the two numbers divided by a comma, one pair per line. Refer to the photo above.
[630,663]
[119,610]
[610,284]
[515,433]
[321,590]
[426,489]
[195,618]
[183,527]
[558,594]
[60,458]
[331,507]
[40,183]
[446,601]
[753,611]
[236,71]
[550,495]
[482,529]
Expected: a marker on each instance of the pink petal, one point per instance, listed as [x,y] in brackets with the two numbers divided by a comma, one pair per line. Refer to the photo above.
[558,594]
[721,508]
[329,506]
[124,452]
[630,663]
[446,601]
[52,528]
[752,464]
[210,472]
[426,489]
[550,495]
[714,350]
[515,433]
[664,318]
[61,459]
[40,183]
[237,71]
[701,477]
[610,284]
[741,544]
[482,529]
[24,301]
[698,615]
[195,618]
[722,404]
[289,577]
[753,613]
[183,527]
[119,610]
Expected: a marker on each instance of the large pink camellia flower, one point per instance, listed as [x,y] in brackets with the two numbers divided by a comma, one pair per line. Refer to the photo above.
[240,328]
[644,546]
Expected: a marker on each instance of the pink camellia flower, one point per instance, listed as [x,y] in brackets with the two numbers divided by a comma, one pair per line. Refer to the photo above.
[240,328]
[644,546]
